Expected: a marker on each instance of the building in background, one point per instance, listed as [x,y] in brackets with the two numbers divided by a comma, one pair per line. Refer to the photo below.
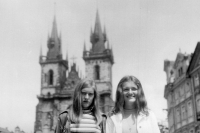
[182,92]
[58,82]
[4,130]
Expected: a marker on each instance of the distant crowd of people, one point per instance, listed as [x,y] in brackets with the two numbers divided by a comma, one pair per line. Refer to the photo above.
[129,115]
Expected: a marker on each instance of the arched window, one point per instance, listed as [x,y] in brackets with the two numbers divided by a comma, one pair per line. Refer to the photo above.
[50,77]
[97,72]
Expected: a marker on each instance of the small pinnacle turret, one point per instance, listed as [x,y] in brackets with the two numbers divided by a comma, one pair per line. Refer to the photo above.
[84,47]
[67,56]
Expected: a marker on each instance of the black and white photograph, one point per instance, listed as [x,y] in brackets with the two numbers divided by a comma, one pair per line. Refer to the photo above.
[100,66]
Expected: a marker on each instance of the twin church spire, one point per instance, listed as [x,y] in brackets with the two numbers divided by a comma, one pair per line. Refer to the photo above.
[98,38]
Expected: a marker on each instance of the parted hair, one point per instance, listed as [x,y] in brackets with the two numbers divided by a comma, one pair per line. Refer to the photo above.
[140,103]
[76,109]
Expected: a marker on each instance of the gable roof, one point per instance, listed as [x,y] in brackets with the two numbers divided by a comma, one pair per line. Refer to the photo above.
[195,57]
[179,57]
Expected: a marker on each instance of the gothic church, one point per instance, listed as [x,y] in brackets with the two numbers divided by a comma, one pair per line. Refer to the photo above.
[57,87]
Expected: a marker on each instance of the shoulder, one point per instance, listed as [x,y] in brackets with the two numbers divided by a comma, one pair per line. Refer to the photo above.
[151,114]
[63,116]
[64,113]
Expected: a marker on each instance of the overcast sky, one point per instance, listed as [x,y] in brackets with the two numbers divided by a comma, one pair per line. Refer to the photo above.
[142,33]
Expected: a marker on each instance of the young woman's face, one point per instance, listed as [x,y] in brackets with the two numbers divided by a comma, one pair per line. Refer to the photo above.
[130,91]
[87,97]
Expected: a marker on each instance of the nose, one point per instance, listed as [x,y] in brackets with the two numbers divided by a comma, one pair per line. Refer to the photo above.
[130,91]
[86,96]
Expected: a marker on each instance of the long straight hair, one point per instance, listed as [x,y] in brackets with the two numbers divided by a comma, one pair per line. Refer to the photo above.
[140,103]
[76,109]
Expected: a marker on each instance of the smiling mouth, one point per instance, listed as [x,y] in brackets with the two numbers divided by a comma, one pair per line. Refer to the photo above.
[131,96]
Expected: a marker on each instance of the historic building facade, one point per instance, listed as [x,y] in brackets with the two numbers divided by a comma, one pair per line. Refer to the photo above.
[57,82]
[182,92]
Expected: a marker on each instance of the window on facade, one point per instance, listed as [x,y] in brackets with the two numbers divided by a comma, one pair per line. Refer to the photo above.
[97,72]
[176,94]
[183,112]
[198,105]
[180,71]
[50,77]
[196,80]
[171,119]
[181,91]
[45,78]
[177,115]
[169,101]
[189,107]
[187,86]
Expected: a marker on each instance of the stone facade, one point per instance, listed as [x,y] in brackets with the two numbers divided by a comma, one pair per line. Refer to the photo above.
[182,92]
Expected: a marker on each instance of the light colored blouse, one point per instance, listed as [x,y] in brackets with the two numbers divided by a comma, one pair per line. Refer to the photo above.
[129,122]
[144,123]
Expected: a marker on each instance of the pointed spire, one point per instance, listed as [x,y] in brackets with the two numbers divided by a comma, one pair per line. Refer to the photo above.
[105,34]
[108,44]
[97,38]
[40,50]
[66,56]
[84,47]
[54,32]
[104,30]
[69,67]
[60,36]
[40,57]
[54,43]
[111,49]
[97,28]
[60,44]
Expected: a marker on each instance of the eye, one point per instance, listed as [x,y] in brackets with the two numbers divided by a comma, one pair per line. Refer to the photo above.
[126,89]
[83,93]
[134,89]
[91,94]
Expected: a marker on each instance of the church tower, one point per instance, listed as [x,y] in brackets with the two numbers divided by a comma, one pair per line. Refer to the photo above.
[54,95]
[98,64]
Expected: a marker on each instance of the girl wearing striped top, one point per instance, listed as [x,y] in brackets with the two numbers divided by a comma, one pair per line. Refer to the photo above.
[84,114]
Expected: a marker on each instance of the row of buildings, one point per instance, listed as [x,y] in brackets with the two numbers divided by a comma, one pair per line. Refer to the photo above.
[5,130]
[182,92]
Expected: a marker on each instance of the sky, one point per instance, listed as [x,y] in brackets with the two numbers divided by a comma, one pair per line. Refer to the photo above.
[142,33]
